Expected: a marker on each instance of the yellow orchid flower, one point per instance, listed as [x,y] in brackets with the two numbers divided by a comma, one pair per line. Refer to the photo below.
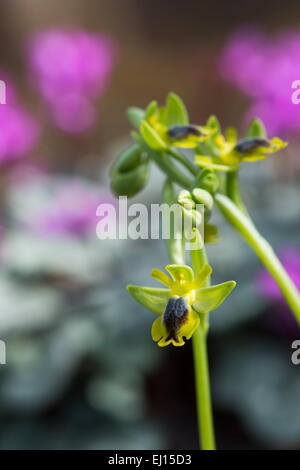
[230,152]
[180,305]
[169,126]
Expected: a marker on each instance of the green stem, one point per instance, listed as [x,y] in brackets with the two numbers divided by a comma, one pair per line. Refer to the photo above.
[183,160]
[263,250]
[163,162]
[205,416]
[203,395]
[233,190]
[175,244]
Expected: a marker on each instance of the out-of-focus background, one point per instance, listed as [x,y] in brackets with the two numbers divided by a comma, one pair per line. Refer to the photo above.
[82,370]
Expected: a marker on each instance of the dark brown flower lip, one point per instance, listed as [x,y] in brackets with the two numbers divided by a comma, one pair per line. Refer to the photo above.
[182,132]
[175,315]
[248,145]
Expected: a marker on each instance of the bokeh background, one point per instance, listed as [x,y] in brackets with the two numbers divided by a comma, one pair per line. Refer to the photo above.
[82,371]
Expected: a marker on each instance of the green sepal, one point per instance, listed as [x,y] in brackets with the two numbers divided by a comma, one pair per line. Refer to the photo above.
[214,122]
[152,298]
[176,114]
[135,116]
[202,275]
[209,298]
[180,272]
[151,137]
[256,128]
[151,109]
[208,180]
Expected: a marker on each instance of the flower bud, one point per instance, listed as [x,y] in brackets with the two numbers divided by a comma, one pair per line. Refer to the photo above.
[130,173]
[185,199]
[208,180]
[201,196]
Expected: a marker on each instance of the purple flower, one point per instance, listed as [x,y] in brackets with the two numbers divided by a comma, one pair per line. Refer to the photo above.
[280,319]
[18,130]
[264,68]
[71,209]
[71,68]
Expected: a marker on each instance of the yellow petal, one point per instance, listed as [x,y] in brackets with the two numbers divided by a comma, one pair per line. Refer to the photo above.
[253,158]
[163,342]
[202,275]
[190,326]
[161,277]
[203,158]
[159,335]
[158,330]
[276,144]
[231,135]
[208,162]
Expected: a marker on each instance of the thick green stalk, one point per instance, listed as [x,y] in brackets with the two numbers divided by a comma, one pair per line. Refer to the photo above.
[203,398]
[233,190]
[175,245]
[163,162]
[183,160]
[203,395]
[263,250]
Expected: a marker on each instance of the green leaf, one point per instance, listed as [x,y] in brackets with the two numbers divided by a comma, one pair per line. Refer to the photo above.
[151,298]
[176,111]
[135,116]
[256,128]
[151,137]
[209,298]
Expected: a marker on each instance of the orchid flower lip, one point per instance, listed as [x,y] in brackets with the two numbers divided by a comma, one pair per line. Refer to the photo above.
[175,315]
[247,145]
[182,132]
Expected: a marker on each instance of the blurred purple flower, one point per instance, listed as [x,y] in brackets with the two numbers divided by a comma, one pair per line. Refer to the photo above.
[72,210]
[18,130]
[281,318]
[264,68]
[71,68]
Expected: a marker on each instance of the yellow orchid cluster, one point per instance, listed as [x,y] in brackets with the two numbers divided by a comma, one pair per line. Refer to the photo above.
[228,152]
[163,128]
